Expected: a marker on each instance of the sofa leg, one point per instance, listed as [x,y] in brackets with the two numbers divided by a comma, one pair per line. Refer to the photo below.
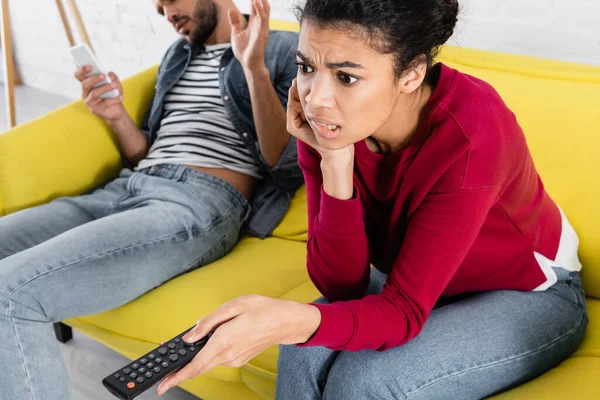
[63,332]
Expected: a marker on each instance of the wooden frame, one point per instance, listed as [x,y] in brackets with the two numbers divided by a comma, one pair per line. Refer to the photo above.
[10,72]
[65,21]
[11,78]
[78,23]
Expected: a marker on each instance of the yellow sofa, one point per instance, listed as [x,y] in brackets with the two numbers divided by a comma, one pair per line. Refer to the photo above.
[70,151]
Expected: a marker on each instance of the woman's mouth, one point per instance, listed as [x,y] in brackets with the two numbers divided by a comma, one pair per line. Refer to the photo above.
[328,131]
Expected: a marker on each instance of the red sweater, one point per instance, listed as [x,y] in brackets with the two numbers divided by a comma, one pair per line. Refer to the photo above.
[461,209]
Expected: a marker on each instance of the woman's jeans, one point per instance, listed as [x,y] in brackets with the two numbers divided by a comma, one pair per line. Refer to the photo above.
[470,349]
[83,255]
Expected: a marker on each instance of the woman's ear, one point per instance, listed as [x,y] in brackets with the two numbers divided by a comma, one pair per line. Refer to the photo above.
[412,78]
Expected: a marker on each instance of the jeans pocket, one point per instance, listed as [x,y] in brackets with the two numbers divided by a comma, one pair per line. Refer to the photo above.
[567,291]
[246,215]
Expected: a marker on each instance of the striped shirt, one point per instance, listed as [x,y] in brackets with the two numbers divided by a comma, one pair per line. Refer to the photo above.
[195,129]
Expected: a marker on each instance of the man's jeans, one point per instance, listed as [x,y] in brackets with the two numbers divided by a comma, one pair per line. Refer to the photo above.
[83,255]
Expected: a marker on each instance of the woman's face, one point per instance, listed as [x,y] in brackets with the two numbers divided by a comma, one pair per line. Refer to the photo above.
[347,88]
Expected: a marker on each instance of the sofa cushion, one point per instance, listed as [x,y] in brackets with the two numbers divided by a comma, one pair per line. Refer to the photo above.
[575,378]
[171,308]
[294,224]
[65,152]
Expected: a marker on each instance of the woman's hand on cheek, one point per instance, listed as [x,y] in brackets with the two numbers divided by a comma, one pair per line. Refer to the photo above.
[242,329]
[297,125]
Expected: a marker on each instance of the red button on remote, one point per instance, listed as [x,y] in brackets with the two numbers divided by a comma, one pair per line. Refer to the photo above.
[131,385]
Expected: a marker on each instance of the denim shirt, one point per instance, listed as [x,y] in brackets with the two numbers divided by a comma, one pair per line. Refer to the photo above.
[273,194]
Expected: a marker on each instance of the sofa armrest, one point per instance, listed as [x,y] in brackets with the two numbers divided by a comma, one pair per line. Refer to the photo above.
[65,152]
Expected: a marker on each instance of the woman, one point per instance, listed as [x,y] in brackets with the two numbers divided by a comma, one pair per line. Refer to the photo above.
[423,172]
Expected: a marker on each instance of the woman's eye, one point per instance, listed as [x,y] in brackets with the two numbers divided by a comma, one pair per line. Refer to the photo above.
[347,79]
[305,69]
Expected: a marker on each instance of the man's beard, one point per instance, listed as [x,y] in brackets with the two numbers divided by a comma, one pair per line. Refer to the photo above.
[206,17]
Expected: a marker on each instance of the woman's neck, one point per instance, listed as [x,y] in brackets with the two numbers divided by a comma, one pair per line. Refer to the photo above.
[400,129]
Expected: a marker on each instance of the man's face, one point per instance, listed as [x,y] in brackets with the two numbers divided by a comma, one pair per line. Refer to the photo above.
[195,20]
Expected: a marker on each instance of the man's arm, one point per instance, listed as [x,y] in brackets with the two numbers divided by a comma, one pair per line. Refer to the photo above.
[132,141]
[249,42]
[269,115]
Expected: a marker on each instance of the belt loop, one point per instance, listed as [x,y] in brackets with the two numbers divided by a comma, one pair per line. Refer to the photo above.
[179,172]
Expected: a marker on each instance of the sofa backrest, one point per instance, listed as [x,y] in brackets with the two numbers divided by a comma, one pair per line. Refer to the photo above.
[556,103]
[558,107]
[65,152]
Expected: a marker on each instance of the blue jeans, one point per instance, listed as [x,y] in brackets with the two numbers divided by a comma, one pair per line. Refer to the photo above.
[477,346]
[83,255]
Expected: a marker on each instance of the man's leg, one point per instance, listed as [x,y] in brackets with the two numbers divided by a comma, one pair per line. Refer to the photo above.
[27,228]
[95,267]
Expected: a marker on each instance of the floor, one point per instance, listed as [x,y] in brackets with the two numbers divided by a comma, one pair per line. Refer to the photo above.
[30,103]
[88,362]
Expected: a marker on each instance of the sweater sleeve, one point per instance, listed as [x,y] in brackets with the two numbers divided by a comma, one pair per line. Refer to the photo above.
[438,238]
[337,248]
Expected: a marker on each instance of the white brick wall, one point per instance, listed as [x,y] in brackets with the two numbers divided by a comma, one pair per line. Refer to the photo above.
[128,35]
[558,29]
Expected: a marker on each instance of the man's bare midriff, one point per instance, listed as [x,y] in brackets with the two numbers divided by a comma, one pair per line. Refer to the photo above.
[245,184]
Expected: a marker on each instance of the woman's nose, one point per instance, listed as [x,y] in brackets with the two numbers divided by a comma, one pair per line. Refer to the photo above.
[320,94]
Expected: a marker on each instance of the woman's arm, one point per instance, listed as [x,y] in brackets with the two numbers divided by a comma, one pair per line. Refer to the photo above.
[337,249]
[437,240]
[243,328]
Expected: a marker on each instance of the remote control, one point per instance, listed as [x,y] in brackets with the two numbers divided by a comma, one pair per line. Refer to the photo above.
[82,55]
[141,374]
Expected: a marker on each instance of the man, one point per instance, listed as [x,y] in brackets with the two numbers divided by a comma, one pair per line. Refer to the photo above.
[212,157]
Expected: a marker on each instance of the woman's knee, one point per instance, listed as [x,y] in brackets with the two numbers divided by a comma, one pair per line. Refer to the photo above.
[353,379]
[302,358]
[289,356]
